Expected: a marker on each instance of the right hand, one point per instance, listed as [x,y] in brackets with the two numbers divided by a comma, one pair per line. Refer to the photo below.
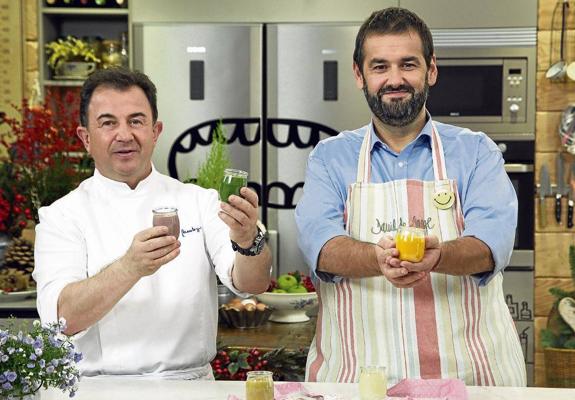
[399,277]
[150,249]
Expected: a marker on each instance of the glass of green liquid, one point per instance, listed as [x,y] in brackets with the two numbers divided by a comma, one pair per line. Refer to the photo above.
[234,180]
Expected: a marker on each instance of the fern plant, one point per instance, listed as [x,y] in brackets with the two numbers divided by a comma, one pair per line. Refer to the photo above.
[211,172]
[558,333]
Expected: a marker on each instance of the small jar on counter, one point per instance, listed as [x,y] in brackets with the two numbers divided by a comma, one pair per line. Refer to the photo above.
[260,385]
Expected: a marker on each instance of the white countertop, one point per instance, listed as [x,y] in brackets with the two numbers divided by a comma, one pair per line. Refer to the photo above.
[156,389]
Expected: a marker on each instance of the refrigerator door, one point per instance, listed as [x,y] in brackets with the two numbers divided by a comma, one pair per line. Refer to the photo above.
[203,73]
[311,95]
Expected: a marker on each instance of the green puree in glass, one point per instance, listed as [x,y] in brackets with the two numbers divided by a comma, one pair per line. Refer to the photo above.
[231,185]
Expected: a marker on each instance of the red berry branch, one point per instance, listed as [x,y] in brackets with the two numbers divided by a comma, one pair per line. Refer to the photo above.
[42,160]
[234,364]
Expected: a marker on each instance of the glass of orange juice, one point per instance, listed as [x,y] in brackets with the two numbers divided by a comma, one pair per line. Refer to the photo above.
[410,242]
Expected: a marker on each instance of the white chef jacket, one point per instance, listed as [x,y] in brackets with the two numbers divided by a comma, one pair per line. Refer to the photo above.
[166,324]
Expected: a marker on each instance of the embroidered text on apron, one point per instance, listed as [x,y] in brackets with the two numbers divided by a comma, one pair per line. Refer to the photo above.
[445,327]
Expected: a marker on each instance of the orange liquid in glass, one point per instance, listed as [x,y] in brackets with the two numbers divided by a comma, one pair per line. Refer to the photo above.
[411,244]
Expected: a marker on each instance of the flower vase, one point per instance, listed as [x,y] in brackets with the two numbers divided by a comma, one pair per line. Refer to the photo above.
[34,396]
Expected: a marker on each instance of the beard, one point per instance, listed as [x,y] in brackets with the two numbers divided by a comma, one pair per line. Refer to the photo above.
[398,112]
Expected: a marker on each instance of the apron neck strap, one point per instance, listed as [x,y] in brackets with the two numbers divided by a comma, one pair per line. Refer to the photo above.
[364,162]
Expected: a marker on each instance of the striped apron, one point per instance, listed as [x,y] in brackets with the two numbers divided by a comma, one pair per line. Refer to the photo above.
[446,327]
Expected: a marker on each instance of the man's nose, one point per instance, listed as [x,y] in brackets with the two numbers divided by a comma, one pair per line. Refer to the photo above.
[394,77]
[124,133]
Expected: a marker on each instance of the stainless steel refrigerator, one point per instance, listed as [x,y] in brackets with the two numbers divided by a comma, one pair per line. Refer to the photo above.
[204,73]
[311,90]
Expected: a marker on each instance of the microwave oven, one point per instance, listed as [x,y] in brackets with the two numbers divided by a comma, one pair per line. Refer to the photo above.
[486,81]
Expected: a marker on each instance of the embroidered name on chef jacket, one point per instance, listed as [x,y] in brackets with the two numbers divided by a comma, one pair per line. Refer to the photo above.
[191,230]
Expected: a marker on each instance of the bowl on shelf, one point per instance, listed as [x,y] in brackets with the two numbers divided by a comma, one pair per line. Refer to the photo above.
[289,307]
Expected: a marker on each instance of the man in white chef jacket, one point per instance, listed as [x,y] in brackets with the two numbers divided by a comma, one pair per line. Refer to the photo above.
[138,301]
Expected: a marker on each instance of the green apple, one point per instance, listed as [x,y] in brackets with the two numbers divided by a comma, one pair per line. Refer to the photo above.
[278,291]
[297,289]
[286,281]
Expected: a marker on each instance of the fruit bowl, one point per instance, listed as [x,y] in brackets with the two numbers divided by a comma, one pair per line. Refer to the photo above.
[289,307]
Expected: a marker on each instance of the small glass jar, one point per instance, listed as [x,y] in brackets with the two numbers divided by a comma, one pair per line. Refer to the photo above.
[410,242]
[372,383]
[111,54]
[234,180]
[167,216]
[260,385]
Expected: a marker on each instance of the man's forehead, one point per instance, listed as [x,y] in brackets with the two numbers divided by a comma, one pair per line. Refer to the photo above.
[408,41]
[113,101]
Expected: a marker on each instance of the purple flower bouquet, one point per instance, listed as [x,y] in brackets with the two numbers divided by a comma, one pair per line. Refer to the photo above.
[42,357]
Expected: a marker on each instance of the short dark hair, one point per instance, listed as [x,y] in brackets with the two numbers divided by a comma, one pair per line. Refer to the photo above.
[392,20]
[119,79]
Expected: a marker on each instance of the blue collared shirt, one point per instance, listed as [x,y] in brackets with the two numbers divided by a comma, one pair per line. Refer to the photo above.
[489,201]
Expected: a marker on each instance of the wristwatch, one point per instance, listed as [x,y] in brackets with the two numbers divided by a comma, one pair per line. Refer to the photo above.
[256,247]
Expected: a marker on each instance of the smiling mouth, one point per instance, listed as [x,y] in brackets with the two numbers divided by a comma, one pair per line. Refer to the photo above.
[124,152]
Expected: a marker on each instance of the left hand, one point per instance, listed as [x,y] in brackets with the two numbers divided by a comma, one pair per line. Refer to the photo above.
[429,261]
[241,215]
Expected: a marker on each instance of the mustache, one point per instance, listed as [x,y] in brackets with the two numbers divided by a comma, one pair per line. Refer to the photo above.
[388,89]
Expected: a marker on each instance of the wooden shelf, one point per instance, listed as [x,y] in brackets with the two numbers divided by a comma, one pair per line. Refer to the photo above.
[63,82]
[84,11]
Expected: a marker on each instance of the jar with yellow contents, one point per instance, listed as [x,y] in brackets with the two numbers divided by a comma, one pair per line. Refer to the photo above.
[410,242]
[259,385]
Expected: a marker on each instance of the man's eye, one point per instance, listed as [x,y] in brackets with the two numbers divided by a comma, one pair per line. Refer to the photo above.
[136,122]
[108,123]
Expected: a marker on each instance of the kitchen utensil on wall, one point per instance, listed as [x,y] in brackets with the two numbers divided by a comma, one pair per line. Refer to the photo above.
[544,190]
[561,187]
[571,195]
[557,70]
[571,70]
[567,128]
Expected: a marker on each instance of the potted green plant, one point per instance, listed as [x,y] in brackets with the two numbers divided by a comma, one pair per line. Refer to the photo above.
[211,171]
[71,58]
[558,339]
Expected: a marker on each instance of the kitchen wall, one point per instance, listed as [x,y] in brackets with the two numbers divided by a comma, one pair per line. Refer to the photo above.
[551,242]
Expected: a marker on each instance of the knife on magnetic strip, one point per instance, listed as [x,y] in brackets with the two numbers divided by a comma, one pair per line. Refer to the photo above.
[561,186]
[544,190]
[571,194]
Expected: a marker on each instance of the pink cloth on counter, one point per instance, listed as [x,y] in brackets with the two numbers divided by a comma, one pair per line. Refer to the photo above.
[444,389]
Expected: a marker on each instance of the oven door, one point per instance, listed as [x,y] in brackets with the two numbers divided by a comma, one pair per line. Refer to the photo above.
[521,176]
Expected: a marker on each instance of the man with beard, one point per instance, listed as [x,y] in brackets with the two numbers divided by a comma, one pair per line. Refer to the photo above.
[444,316]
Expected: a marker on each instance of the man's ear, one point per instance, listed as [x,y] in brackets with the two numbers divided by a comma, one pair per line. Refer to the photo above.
[432,71]
[84,136]
[158,128]
[358,76]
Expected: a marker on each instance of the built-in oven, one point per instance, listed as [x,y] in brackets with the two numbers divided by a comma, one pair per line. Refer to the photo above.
[486,80]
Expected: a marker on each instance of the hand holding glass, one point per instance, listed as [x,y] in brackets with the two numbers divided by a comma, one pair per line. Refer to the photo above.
[410,242]
[167,216]
[234,180]
[372,383]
